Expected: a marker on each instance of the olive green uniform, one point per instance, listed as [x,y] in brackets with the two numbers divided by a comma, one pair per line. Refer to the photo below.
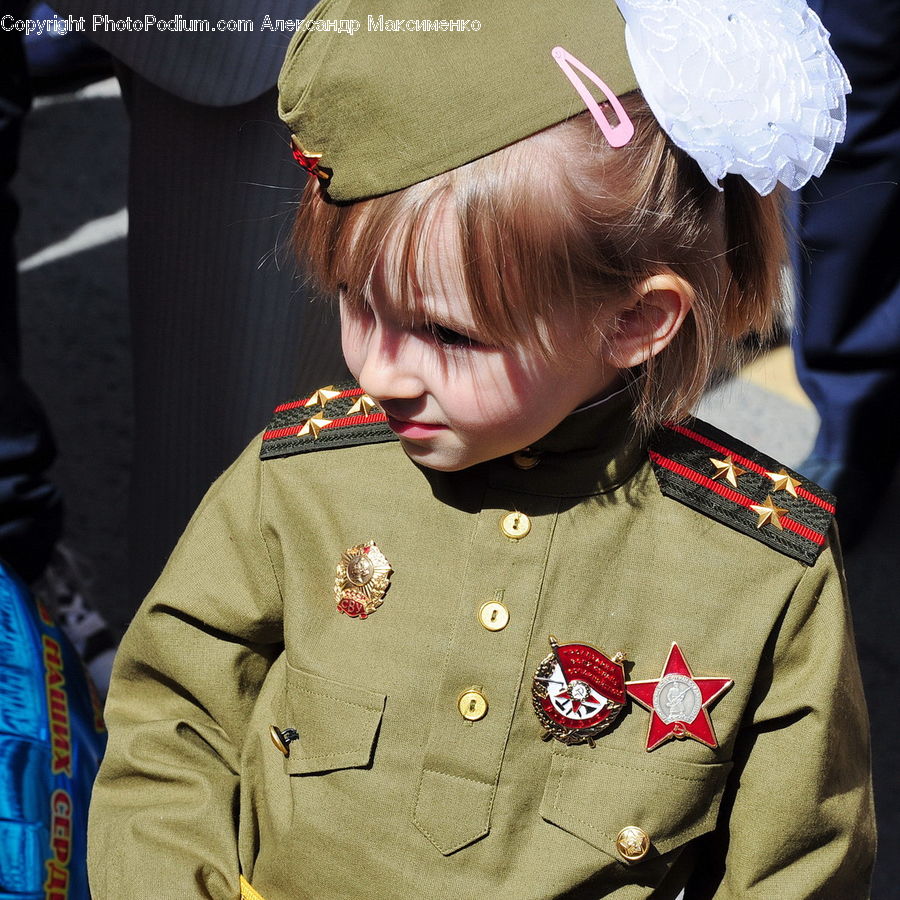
[389,792]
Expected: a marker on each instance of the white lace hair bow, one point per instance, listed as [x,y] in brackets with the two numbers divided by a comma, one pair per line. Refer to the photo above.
[751,87]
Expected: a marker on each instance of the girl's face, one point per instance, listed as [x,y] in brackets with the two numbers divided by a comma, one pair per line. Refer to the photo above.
[452,399]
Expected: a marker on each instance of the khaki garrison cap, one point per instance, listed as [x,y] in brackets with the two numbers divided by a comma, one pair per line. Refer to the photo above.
[389,108]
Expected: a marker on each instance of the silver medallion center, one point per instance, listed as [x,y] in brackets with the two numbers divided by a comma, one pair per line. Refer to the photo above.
[677,699]
[575,699]
[360,570]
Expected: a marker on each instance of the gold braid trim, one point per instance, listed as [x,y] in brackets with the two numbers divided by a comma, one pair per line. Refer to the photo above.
[248,892]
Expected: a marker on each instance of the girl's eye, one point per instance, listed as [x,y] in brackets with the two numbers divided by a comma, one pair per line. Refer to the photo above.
[448,337]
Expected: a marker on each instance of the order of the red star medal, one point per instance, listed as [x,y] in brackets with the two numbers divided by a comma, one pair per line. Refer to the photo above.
[678,702]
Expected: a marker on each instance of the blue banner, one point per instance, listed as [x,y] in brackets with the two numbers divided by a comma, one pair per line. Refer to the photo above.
[51,741]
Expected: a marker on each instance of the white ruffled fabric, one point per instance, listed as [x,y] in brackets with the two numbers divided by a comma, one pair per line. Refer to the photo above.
[750,87]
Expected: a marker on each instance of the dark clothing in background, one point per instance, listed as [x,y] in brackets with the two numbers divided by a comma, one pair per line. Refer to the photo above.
[30,505]
[221,326]
[848,330]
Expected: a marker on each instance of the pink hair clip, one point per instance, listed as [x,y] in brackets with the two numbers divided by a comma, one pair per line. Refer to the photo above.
[617,135]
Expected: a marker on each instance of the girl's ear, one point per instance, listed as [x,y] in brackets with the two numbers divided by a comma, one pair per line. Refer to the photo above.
[647,325]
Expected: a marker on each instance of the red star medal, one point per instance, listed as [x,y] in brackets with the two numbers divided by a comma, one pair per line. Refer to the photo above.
[677,701]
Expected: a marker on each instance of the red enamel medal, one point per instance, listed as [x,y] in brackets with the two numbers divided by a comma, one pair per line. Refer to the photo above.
[677,701]
[577,692]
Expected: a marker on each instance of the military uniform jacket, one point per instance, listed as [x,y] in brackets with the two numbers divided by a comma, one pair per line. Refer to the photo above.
[388,791]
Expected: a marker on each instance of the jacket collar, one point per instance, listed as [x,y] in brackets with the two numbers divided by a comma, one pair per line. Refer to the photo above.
[594,450]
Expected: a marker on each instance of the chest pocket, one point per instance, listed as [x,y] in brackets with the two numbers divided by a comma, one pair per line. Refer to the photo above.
[336,723]
[595,797]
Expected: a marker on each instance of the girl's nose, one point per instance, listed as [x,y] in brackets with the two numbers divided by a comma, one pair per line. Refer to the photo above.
[391,370]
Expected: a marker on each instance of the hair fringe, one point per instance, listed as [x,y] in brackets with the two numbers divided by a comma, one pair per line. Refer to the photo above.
[562,223]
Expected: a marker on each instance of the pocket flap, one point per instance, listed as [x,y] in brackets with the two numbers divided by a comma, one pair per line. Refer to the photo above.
[336,723]
[671,801]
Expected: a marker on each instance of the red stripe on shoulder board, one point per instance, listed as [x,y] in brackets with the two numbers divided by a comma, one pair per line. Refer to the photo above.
[682,470]
[294,404]
[292,430]
[281,432]
[746,463]
[371,419]
[803,531]
[732,495]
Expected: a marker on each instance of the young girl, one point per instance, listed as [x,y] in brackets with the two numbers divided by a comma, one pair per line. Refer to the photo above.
[514,622]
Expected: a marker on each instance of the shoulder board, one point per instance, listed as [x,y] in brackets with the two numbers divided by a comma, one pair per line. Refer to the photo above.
[727,480]
[340,415]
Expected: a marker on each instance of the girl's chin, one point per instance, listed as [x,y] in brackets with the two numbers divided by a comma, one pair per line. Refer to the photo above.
[439,459]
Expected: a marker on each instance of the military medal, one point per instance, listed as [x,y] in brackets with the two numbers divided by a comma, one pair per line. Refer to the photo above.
[578,692]
[677,701]
[362,579]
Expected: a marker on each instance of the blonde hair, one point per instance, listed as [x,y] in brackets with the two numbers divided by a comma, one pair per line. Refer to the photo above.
[562,219]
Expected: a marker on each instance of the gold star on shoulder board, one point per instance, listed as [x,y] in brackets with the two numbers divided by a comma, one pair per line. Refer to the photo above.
[313,426]
[322,396]
[769,513]
[363,406]
[781,481]
[727,469]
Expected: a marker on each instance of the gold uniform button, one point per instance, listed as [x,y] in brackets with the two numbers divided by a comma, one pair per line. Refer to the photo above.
[494,616]
[282,739]
[515,525]
[633,843]
[472,705]
[525,460]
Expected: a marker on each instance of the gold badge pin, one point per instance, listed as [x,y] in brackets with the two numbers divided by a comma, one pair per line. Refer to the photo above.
[769,513]
[322,396]
[727,470]
[782,481]
[364,406]
[362,579]
[313,426]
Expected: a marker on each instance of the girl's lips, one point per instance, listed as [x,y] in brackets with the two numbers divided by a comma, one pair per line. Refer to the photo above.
[414,430]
